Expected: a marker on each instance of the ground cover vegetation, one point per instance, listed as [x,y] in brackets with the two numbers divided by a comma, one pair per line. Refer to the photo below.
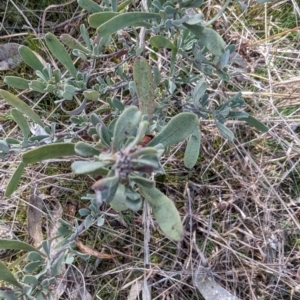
[150,150]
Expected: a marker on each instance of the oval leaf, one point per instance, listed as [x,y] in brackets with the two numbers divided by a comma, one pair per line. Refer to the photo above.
[144,86]
[161,42]
[127,121]
[255,123]
[95,20]
[31,58]
[21,106]
[22,122]
[192,150]
[225,132]
[119,201]
[179,128]
[8,294]
[86,167]
[86,150]
[165,212]
[208,38]
[124,20]
[72,43]
[14,180]
[48,152]
[59,52]
[18,245]
[89,6]
[7,276]
[17,82]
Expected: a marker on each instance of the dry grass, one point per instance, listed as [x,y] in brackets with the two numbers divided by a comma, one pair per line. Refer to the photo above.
[240,205]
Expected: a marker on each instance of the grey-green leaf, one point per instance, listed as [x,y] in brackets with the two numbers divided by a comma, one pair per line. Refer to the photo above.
[144,86]
[8,294]
[165,212]
[17,245]
[178,128]
[73,43]
[199,91]
[31,58]
[224,131]
[89,6]
[208,38]
[126,123]
[119,201]
[4,146]
[142,181]
[104,133]
[59,52]
[108,187]
[21,106]
[86,167]
[22,122]
[255,123]
[14,180]
[97,19]
[7,276]
[159,41]
[38,86]
[192,150]
[17,82]
[124,20]
[86,150]
[48,152]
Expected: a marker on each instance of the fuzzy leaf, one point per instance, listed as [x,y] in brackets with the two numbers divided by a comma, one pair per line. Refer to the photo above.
[48,152]
[21,106]
[104,133]
[124,20]
[95,20]
[107,186]
[224,131]
[192,150]
[59,52]
[8,294]
[134,205]
[86,150]
[7,276]
[91,95]
[29,268]
[14,180]
[17,245]
[4,146]
[126,123]
[119,201]
[255,123]
[142,181]
[38,86]
[144,86]
[199,91]
[31,58]
[208,38]
[22,122]
[30,279]
[17,82]
[87,167]
[73,43]
[165,212]
[195,3]
[178,128]
[159,41]
[35,256]
[89,6]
